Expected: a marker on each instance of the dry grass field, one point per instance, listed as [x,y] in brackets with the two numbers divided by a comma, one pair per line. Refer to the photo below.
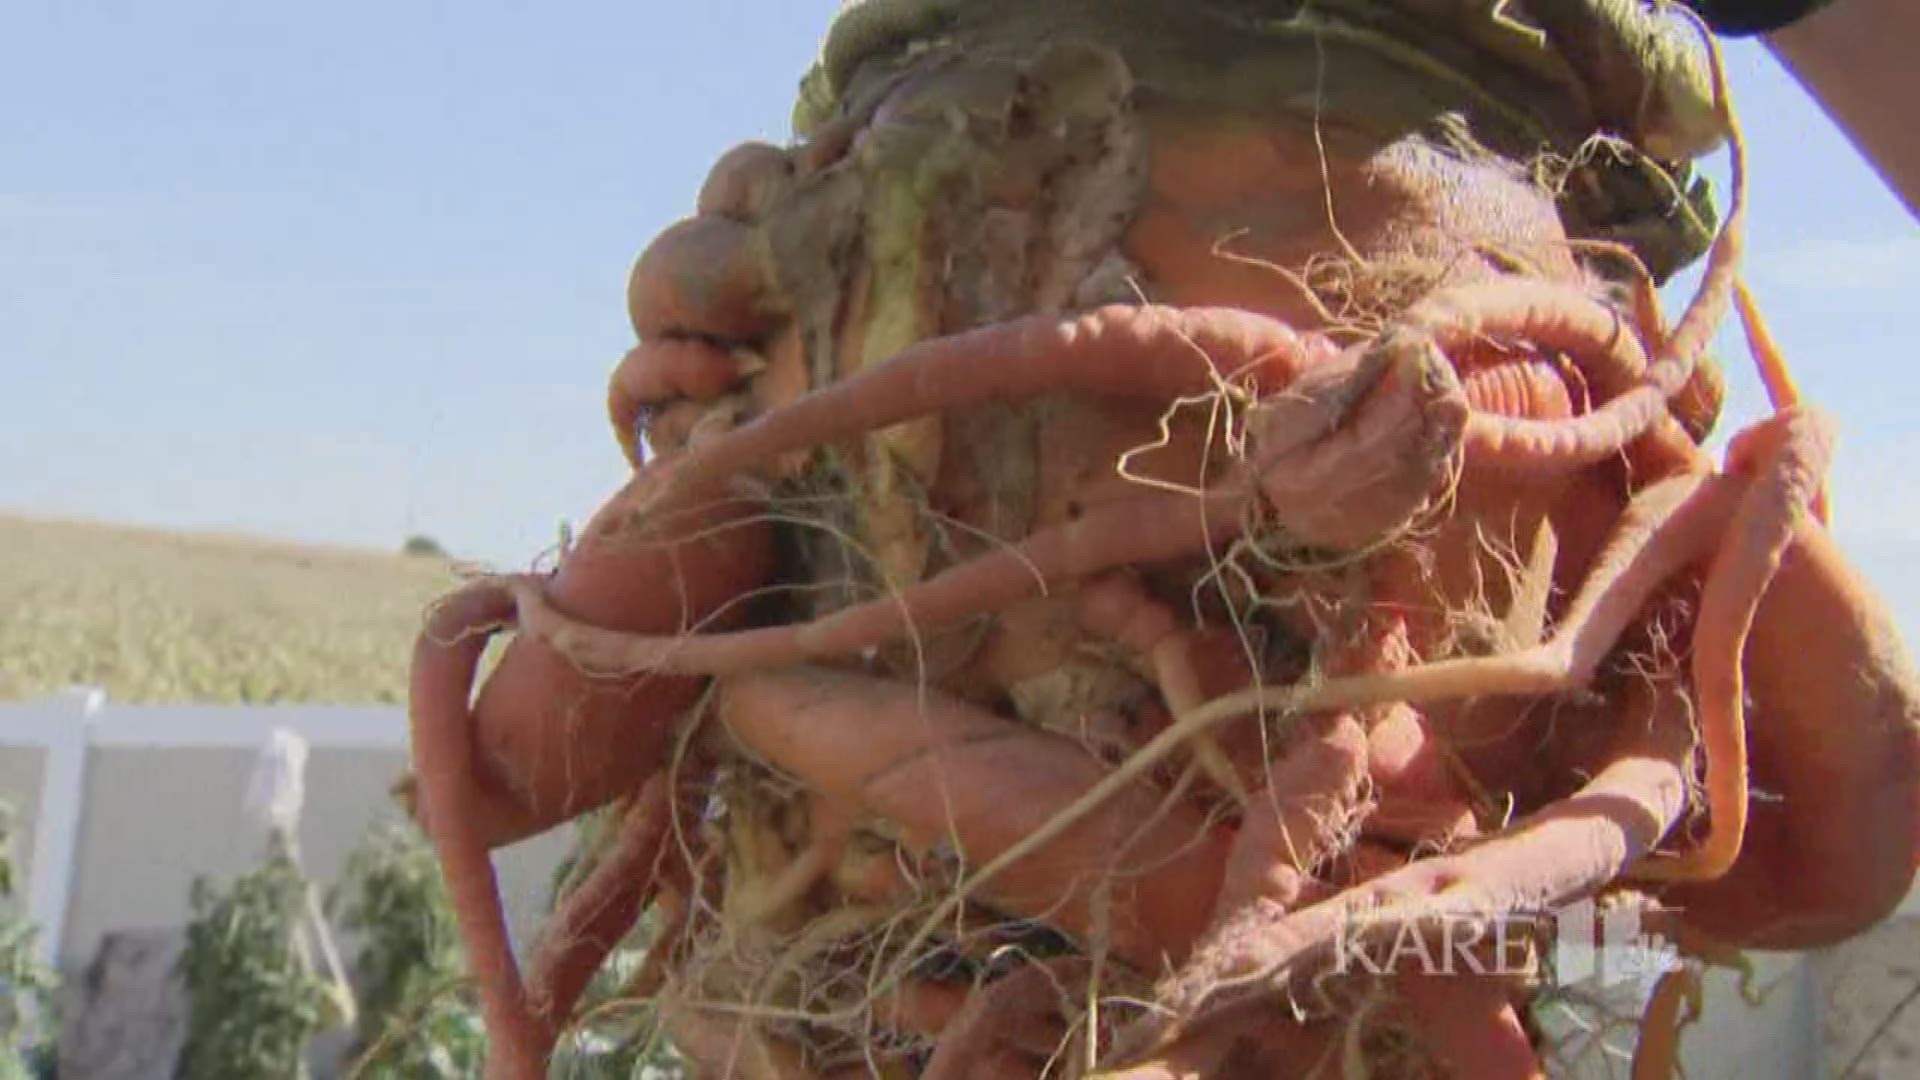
[167,617]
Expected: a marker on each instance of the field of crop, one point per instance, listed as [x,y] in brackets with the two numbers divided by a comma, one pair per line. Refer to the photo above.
[164,617]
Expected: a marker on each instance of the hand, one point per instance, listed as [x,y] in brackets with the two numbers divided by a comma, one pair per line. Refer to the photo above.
[1745,18]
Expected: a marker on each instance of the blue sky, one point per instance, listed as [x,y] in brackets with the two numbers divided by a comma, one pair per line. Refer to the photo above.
[351,270]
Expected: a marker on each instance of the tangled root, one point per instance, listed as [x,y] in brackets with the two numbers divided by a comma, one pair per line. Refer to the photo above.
[1019,782]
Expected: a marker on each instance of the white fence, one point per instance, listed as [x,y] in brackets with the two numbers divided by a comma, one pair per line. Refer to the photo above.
[122,807]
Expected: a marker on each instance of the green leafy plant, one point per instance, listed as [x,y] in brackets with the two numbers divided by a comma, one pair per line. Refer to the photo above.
[26,985]
[418,1018]
[255,1001]
[418,1015]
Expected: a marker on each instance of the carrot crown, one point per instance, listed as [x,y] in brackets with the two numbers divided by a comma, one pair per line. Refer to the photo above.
[1608,101]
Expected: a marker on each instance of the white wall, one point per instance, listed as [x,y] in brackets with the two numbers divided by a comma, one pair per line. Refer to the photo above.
[121,807]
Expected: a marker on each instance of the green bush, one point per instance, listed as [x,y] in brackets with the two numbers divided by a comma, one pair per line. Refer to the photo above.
[423,547]
[26,985]
[417,1016]
[255,1001]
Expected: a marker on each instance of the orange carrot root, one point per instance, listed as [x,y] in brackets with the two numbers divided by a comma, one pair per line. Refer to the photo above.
[593,918]
[560,741]
[1016,1018]
[706,276]
[1657,1056]
[1485,416]
[1471,1026]
[944,770]
[1175,526]
[445,659]
[1300,818]
[1635,394]
[1325,480]
[1782,393]
[1789,456]
[664,370]
[1144,353]
[1565,851]
[486,772]
[1117,608]
[745,181]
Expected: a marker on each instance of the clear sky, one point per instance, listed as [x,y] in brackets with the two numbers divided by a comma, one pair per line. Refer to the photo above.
[352,270]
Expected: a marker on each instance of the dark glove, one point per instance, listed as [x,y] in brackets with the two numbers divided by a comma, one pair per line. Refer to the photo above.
[1745,18]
